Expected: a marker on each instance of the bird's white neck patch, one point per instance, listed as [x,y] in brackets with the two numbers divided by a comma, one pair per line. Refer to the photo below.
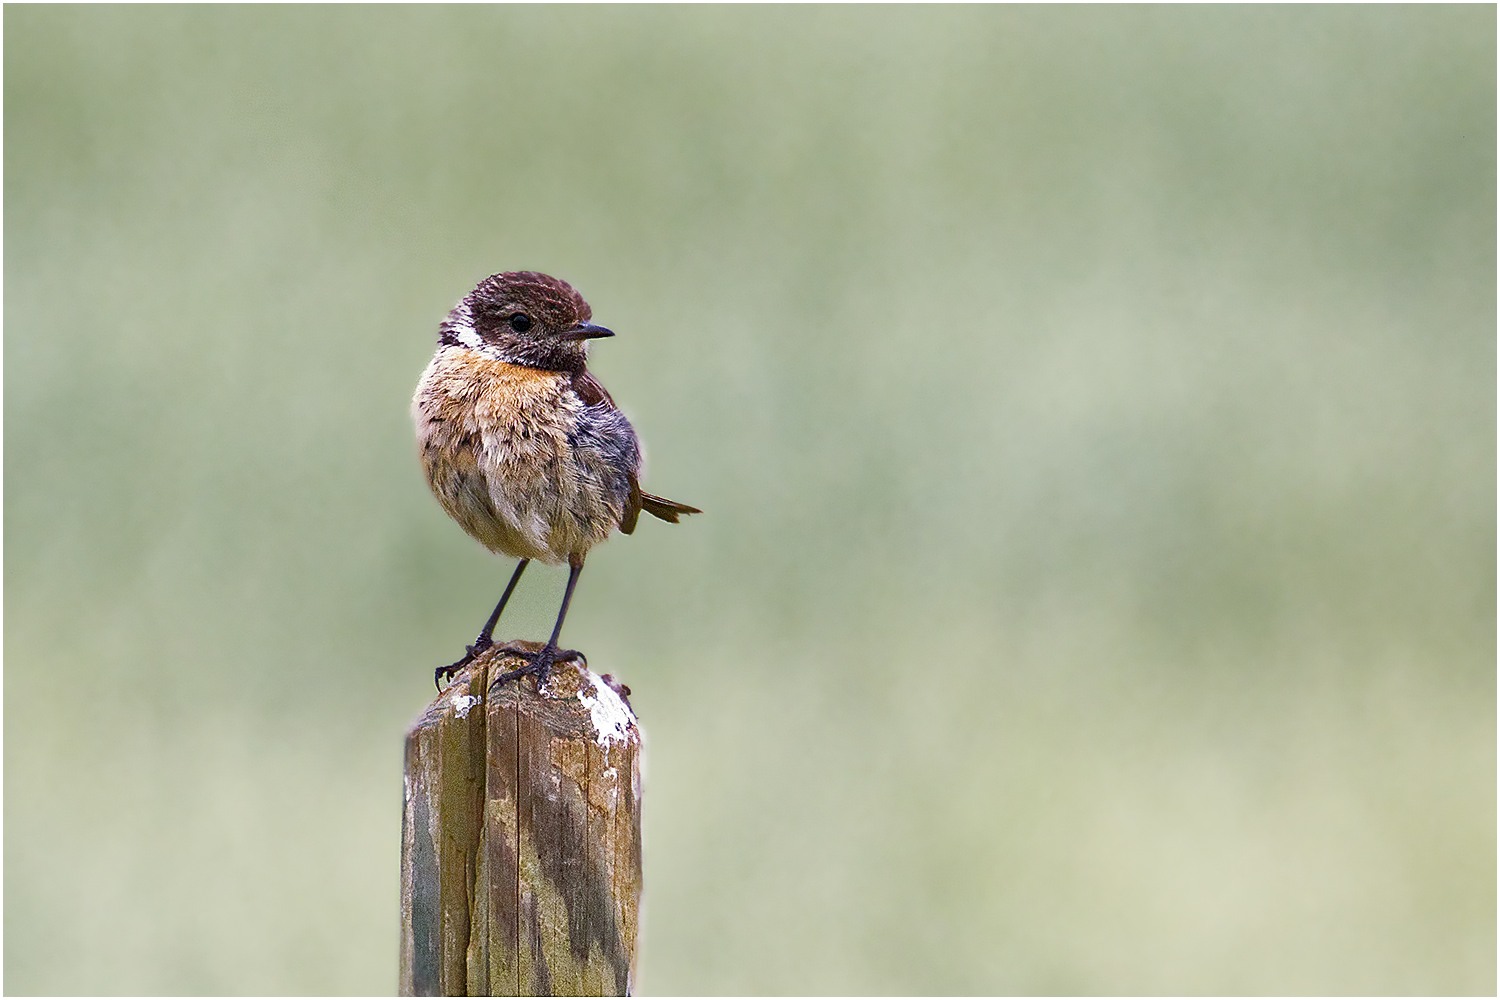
[459,326]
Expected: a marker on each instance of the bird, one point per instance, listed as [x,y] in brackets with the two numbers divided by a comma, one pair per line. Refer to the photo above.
[523,447]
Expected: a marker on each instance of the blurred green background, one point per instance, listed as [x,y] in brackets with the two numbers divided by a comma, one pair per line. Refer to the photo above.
[1094,411]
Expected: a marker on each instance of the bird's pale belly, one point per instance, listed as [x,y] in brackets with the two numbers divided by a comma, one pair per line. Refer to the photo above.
[496,448]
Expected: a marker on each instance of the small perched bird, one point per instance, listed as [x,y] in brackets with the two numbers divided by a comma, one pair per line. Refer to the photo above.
[522,446]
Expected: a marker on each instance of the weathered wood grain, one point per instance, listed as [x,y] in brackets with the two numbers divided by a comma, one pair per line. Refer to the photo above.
[521,839]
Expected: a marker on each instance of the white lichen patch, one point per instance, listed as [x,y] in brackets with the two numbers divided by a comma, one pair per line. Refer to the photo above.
[462,703]
[612,718]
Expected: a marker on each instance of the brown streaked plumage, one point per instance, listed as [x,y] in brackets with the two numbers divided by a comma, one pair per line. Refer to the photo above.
[521,445]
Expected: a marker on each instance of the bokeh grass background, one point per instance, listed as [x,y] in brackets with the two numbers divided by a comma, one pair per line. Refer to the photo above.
[1094,411]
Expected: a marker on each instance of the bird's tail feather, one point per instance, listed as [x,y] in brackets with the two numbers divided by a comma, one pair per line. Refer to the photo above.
[667,510]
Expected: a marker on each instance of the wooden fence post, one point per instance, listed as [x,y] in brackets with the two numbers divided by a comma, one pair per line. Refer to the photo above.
[521,838]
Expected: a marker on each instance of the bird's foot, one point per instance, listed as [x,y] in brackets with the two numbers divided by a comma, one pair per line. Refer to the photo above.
[442,674]
[538,662]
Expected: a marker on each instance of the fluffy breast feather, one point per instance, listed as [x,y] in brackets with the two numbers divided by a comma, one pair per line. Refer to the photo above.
[518,459]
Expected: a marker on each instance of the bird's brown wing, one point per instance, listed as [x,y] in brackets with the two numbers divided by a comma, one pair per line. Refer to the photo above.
[593,394]
[632,507]
[590,391]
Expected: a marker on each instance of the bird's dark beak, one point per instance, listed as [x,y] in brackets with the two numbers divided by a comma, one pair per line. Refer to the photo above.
[586,331]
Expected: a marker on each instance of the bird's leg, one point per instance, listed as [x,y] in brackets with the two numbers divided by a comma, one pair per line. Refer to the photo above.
[540,662]
[486,635]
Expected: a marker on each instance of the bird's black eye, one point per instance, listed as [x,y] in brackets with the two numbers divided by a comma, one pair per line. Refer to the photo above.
[520,322]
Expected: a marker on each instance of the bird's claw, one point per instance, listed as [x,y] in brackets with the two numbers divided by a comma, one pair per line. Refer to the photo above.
[538,662]
[447,673]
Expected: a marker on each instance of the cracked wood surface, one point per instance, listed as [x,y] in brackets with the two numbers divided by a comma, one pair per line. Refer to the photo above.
[521,839]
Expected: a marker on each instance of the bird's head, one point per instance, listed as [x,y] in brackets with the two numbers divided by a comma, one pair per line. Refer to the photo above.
[525,318]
